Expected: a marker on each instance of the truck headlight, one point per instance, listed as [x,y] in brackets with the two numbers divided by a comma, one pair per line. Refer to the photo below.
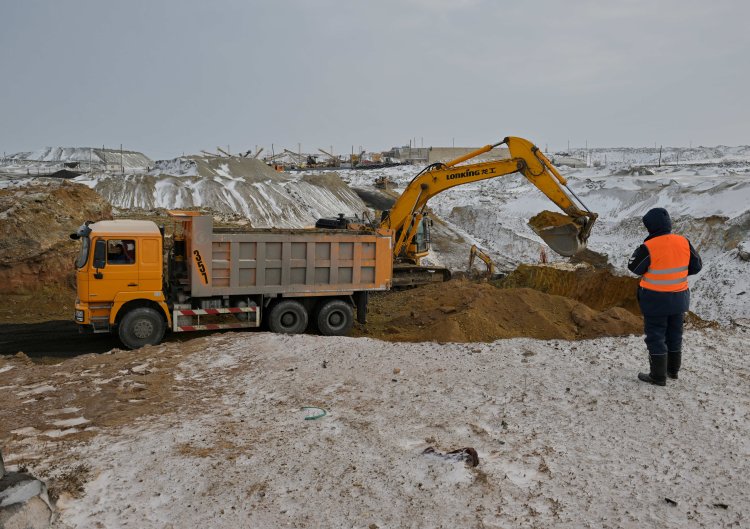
[79,315]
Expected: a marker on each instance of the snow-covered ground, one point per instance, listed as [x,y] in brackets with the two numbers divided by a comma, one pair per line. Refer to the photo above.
[566,436]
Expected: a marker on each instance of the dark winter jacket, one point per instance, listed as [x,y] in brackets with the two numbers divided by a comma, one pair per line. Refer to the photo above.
[655,303]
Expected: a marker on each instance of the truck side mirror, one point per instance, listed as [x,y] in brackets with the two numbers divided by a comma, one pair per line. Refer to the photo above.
[100,254]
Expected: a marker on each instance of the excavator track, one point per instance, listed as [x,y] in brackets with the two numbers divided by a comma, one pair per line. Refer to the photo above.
[410,275]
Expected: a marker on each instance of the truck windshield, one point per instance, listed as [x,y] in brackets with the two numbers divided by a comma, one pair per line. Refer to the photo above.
[83,255]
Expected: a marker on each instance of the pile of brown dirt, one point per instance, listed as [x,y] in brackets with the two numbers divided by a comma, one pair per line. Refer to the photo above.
[36,252]
[466,311]
[595,287]
[548,219]
[589,256]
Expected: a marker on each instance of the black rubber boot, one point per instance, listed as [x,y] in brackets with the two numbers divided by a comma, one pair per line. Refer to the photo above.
[674,359]
[658,374]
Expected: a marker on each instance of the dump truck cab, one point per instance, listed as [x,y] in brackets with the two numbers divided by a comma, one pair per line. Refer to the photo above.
[119,269]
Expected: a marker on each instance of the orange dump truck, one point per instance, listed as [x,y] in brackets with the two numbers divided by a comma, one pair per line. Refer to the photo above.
[130,281]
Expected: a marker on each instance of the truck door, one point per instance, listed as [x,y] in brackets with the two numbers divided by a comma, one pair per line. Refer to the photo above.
[120,271]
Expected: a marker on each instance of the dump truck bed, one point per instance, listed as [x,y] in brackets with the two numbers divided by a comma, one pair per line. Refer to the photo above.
[293,262]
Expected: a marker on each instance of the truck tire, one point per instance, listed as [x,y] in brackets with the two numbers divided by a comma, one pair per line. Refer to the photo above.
[288,317]
[335,318]
[141,326]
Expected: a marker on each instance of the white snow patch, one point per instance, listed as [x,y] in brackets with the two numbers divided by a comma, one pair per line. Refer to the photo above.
[37,390]
[77,421]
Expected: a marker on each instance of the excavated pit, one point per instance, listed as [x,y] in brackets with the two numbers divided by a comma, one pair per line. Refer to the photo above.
[597,288]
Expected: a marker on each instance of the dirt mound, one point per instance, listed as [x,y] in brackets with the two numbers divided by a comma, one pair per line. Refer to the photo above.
[597,288]
[547,219]
[596,259]
[466,311]
[35,224]
[249,169]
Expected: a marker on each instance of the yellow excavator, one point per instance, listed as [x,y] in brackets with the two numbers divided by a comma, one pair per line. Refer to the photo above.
[477,253]
[566,234]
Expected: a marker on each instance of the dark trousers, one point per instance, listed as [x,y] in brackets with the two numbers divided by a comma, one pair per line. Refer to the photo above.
[663,333]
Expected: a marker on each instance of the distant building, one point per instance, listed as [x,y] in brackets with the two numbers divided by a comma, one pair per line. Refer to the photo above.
[416,155]
[446,154]
[429,155]
[564,159]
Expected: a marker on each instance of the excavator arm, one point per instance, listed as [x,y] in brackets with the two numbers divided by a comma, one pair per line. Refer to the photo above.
[407,212]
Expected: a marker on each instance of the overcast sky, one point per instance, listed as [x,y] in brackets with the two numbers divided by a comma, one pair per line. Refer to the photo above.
[166,77]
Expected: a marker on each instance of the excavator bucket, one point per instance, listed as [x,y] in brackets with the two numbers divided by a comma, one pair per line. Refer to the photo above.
[565,235]
[562,239]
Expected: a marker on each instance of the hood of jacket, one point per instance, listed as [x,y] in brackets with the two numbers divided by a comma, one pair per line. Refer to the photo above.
[657,222]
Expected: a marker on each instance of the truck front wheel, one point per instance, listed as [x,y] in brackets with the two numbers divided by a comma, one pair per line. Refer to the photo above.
[335,318]
[141,326]
[288,317]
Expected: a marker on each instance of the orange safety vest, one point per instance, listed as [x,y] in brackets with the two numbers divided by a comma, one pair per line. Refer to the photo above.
[670,257]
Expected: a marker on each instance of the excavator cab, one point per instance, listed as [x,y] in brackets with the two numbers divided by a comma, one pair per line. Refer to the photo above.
[422,237]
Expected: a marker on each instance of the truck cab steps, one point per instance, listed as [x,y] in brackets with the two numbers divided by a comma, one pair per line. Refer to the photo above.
[100,324]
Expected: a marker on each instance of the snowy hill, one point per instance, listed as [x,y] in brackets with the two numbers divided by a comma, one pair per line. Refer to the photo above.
[241,186]
[86,158]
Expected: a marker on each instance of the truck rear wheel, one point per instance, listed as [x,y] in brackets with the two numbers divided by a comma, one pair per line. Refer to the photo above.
[141,326]
[335,318]
[288,317]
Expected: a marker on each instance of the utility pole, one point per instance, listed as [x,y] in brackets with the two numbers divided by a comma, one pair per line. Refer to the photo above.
[122,164]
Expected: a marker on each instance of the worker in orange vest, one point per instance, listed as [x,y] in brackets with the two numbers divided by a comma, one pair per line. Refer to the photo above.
[664,261]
